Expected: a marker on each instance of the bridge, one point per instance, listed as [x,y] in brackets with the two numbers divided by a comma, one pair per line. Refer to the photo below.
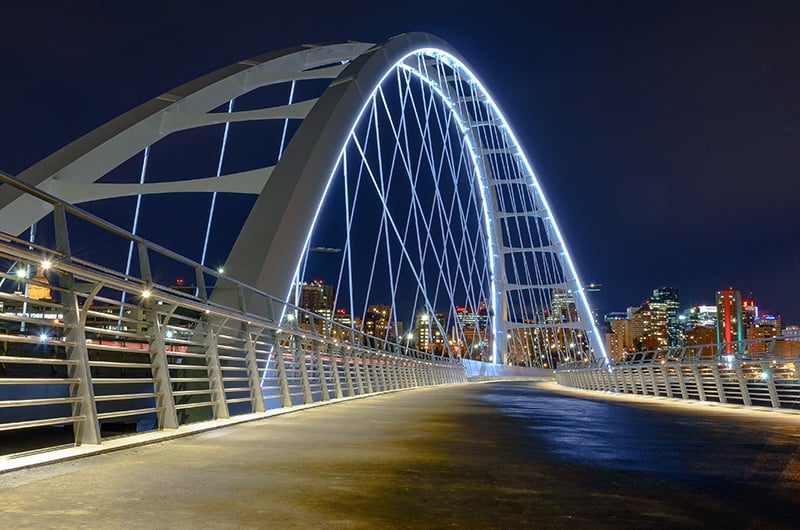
[160,275]
[386,169]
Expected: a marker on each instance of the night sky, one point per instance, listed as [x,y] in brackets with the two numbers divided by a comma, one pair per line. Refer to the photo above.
[665,134]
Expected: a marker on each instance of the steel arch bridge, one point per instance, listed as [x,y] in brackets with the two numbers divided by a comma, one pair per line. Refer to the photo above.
[388,170]
[392,159]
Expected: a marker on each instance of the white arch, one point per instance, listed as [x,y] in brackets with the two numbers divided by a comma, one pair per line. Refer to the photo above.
[279,226]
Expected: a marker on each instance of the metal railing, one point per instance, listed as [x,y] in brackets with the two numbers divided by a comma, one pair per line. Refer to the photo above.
[753,373]
[91,352]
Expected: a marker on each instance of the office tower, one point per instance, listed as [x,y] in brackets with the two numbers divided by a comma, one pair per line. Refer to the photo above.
[729,317]
[667,298]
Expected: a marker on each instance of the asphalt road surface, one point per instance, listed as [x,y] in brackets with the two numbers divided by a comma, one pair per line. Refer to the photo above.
[495,455]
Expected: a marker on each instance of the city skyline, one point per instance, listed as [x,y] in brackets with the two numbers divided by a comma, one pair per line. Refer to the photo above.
[746,296]
[663,136]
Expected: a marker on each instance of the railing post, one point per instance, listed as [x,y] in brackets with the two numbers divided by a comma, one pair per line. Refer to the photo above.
[641,370]
[773,391]
[609,375]
[323,382]
[723,398]
[667,382]
[280,365]
[335,373]
[652,374]
[627,375]
[681,381]
[369,372]
[253,377]
[358,367]
[348,365]
[380,364]
[216,385]
[300,360]
[392,365]
[743,386]
[159,364]
[701,391]
[87,430]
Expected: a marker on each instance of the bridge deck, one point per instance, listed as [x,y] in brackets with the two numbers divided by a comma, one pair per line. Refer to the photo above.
[471,455]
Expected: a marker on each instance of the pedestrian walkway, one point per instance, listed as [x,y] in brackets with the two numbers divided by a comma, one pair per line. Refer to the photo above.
[494,455]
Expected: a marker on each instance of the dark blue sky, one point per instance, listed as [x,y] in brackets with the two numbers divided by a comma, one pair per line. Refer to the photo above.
[666,134]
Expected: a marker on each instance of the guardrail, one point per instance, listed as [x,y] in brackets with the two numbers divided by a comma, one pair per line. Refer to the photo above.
[753,373]
[89,352]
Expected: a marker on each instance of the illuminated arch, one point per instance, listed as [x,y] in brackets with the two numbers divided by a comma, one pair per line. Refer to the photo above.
[520,231]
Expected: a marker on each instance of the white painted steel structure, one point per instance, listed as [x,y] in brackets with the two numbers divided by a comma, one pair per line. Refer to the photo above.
[404,132]
[752,373]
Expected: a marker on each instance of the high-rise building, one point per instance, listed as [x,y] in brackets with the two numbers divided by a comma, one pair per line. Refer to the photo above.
[649,324]
[613,341]
[667,298]
[427,333]
[562,307]
[729,317]
[316,297]
[619,324]
[749,314]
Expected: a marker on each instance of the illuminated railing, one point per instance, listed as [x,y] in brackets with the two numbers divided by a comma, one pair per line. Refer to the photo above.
[753,373]
[107,352]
